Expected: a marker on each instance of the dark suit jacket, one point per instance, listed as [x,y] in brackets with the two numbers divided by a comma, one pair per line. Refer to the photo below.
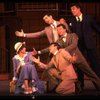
[88,25]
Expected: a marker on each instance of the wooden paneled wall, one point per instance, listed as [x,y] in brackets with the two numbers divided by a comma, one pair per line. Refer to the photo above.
[31,21]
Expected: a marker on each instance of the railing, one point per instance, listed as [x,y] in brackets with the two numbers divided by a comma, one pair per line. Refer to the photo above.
[4,60]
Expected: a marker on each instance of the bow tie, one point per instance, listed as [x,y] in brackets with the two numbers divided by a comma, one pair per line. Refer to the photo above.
[78,19]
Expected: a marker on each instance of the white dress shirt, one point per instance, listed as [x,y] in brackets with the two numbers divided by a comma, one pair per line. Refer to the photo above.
[55,34]
[79,18]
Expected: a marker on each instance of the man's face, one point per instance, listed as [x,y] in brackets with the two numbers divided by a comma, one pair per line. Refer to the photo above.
[52,48]
[47,19]
[75,11]
[61,31]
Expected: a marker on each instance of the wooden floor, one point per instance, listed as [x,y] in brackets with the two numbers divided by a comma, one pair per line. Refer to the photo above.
[89,91]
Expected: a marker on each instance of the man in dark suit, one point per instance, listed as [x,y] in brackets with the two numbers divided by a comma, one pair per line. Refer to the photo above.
[83,26]
[69,43]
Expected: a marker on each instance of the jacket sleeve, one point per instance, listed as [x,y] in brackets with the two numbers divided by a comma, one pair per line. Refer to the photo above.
[35,34]
[46,66]
[73,44]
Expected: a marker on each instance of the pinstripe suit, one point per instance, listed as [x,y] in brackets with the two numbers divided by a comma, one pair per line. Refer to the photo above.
[71,46]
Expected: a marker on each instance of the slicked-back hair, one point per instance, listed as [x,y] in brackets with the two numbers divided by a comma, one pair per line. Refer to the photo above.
[55,44]
[75,4]
[62,26]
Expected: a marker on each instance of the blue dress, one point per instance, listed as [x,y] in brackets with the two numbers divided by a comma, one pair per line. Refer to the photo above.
[28,71]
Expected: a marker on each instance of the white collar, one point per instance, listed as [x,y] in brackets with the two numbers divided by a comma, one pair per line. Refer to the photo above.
[54,24]
[19,58]
[80,17]
[65,35]
[56,52]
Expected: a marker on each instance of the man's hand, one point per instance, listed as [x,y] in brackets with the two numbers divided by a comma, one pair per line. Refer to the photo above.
[36,60]
[34,52]
[74,57]
[20,34]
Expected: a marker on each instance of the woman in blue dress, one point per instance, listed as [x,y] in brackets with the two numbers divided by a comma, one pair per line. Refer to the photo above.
[25,73]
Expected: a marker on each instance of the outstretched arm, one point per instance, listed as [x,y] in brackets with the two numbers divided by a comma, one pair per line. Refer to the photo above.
[30,35]
[40,64]
[20,34]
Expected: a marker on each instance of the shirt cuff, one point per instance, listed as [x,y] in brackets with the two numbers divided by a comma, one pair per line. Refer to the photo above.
[14,78]
[39,52]
[24,35]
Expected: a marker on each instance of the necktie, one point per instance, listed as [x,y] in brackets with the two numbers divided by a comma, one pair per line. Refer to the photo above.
[55,35]
[78,19]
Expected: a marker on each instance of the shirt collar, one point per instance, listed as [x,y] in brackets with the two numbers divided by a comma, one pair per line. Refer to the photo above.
[65,35]
[54,24]
[56,52]
[80,17]
[19,58]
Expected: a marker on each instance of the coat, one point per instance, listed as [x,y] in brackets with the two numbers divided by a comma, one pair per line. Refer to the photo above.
[60,68]
[71,46]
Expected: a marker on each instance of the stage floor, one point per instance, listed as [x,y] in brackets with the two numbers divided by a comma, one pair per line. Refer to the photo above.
[89,90]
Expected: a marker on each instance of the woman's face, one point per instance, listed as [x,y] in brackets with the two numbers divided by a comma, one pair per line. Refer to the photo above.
[23,50]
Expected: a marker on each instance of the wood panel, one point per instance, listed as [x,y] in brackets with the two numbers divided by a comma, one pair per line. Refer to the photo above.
[2,50]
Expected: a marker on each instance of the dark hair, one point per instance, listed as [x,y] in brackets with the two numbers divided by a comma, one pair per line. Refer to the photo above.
[55,44]
[50,14]
[75,4]
[62,26]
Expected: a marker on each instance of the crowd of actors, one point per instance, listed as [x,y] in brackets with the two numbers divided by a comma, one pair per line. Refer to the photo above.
[66,67]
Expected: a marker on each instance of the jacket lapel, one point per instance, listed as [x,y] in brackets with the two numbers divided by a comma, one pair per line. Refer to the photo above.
[67,40]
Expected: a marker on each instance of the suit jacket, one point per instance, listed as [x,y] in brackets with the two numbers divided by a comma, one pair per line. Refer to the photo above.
[88,26]
[61,66]
[46,32]
[71,46]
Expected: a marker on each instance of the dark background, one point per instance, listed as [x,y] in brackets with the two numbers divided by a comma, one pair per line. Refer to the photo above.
[28,16]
